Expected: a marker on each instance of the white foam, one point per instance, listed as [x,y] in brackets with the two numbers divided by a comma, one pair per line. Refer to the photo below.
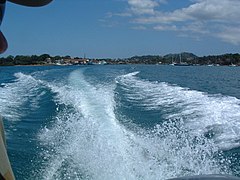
[15,95]
[200,110]
[86,141]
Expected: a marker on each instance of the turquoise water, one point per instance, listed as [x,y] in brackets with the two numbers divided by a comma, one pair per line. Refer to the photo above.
[121,122]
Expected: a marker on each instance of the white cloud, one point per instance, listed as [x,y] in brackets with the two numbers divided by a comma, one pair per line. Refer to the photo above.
[142,6]
[201,17]
[196,27]
[215,10]
[165,28]
[204,10]
[230,34]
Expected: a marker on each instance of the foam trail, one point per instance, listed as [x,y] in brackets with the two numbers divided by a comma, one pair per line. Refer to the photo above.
[93,124]
[86,141]
[202,113]
[14,96]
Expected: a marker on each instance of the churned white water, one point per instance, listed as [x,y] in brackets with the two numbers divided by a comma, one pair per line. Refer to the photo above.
[201,112]
[87,141]
[19,96]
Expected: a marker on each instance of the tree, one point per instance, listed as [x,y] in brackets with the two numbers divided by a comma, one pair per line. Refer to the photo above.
[43,57]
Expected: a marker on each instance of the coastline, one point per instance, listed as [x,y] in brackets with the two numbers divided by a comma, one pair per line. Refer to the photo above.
[184,58]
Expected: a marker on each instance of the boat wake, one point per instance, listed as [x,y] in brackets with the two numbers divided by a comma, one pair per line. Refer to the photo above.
[25,92]
[86,140]
[213,115]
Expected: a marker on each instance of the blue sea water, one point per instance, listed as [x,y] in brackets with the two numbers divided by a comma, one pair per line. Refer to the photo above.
[122,121]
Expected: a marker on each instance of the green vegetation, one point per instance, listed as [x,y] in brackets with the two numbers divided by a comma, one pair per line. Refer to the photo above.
[43,59]
[226,59]
[46,59]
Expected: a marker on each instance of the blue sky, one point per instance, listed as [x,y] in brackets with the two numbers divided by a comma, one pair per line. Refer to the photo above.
[123,28]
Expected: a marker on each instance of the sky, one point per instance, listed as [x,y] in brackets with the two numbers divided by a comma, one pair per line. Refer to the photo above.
[123,28]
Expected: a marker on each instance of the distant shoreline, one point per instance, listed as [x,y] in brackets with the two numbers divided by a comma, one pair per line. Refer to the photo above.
[35,65]
[183,58]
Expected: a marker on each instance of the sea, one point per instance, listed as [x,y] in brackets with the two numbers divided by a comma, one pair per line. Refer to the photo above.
[133,122]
